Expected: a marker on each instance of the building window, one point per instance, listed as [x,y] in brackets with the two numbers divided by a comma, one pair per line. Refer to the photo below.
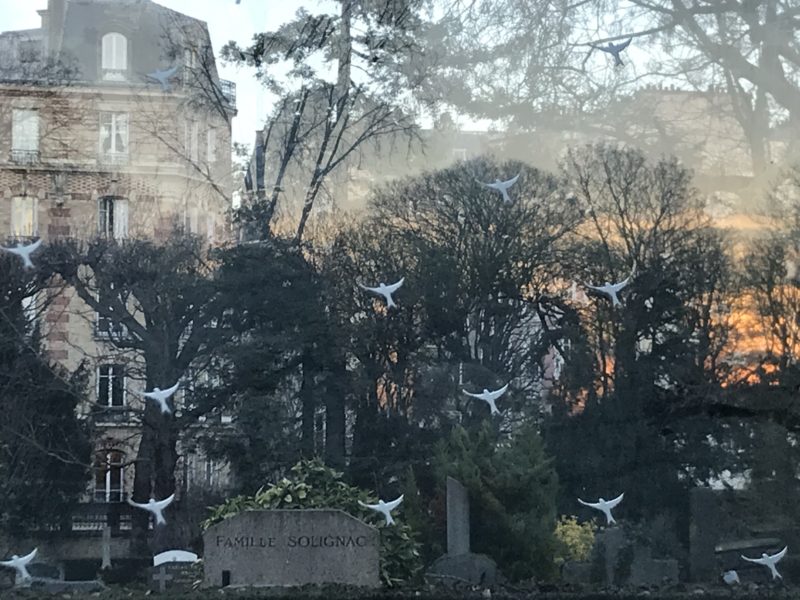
[459,154]
[114,137]
[211,228]
[115,57]
[109,478]
[191,220]
[189,64]
[25,136]
[112,217]
[191,135]
[211,146]
[24,216]
[103,326]
[111,385]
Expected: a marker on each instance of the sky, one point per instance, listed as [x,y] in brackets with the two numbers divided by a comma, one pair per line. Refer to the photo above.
[226,21]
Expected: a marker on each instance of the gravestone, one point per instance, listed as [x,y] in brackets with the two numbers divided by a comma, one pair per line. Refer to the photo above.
[291,548]
[457,518]
[704,533]
[105,563]
[174,577]
[171,556]
[460,565]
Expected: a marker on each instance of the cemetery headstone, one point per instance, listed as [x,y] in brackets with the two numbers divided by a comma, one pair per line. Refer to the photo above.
[291,548]
[460,565]
[106,548]
[457,518]
[170,556]
[174,576]
[703,534]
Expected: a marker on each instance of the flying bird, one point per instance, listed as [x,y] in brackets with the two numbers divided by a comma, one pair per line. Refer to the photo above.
[385,508]
[154,507]
[615,50]
[489,397]
[24,251]
[20,565]
[502,186]
[612,289]
[161,396]
[769,561]
[731,577]
[604,506]
[385,290]
[163,77]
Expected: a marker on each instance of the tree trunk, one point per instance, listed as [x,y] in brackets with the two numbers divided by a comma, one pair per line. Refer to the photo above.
[308,406]
[335,414]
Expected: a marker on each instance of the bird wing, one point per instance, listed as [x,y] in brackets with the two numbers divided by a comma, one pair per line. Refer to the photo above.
[602,289]
[394,503]
[494,186]
[162,504]
[172,390]
[395,286]
[171,72]
[28,557]
[34,246]
[589,504]
[780,555]
[758,561]
[511,181]
[137,505]
[624,45]
[369,289]
[497,393]
[615,501]
[371,506]
[479,396]
[8,563]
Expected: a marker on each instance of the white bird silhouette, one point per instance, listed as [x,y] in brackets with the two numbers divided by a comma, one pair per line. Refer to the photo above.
[604,506]
[730,577]
[385,508]
[489,397]
[163,77]
[24,251]
[769,561]
[611,290]
[385,290]
[614,50]
[155,507]
[20,565]
[502,186]
[161,396]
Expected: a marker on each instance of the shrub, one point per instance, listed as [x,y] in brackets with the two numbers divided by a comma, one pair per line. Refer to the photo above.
[313,485]
[574,541]
[512,488]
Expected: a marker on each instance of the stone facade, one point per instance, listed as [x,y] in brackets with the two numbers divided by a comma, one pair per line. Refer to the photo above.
[90,146]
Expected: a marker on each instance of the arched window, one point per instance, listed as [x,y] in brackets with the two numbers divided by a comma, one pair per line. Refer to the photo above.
[115,56]
[109,476]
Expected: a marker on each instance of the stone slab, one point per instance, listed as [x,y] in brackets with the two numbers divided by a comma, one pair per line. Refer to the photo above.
[174,576]
[291,548]
[457,518]
[59,586]
[475,569]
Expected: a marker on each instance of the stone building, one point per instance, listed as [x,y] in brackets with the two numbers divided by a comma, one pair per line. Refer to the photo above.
[90,145]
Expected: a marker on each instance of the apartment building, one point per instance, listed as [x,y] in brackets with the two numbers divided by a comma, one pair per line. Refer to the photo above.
[91,145]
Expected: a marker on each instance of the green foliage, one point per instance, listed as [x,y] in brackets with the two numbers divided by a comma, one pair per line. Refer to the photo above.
[512,487]
[574,540]
[44,448]
[313,485]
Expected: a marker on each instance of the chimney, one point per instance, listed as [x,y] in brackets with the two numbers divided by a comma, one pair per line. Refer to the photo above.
[53,25]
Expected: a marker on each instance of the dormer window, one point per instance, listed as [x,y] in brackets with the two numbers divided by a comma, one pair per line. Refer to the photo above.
[115,57]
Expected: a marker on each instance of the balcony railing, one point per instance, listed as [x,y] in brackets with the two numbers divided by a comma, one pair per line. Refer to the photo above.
[228,89]
[94,516]
[115,75]
[113,158]
[111,415]
[25,157]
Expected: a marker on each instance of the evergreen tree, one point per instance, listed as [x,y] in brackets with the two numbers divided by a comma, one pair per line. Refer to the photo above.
[44,447]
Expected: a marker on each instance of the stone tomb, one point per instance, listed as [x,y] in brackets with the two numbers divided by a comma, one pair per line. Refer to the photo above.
[291,548]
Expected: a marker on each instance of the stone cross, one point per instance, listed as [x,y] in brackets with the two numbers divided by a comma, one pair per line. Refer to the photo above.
[106,548]
[457,518]
[162,577]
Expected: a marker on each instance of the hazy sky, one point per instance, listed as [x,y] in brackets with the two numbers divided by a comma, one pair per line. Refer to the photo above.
[226,21]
